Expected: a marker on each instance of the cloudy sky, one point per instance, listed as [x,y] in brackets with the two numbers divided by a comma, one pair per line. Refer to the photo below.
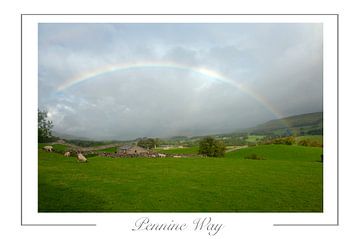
[123,81]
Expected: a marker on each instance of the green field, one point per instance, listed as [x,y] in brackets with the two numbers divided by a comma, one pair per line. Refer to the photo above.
[254,138]
[56,147]
[108,150]
[288,180]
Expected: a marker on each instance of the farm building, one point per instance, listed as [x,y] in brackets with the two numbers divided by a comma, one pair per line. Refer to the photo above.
[131,149]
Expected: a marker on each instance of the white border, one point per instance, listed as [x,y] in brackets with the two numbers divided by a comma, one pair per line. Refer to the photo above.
[231,220]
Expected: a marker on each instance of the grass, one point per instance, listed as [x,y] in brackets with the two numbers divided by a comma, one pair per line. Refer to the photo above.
[289,180]
[254,157]
[108,150]
[56,147]
[254,138]
[287,153]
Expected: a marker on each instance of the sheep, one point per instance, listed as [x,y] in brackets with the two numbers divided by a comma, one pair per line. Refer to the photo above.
[81,158]
[48,148]
[67,154]
[162,155]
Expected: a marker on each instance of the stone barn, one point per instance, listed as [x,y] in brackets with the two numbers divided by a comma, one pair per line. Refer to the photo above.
[131,149]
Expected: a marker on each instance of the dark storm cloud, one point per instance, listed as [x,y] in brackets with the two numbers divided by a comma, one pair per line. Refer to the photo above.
[281,63]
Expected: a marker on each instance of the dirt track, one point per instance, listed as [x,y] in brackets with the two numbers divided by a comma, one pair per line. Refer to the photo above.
[236,148]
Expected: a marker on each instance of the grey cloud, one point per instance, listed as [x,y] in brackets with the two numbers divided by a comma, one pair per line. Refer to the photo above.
[281,62]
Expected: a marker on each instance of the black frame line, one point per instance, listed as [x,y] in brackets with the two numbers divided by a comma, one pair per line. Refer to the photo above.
[176,14]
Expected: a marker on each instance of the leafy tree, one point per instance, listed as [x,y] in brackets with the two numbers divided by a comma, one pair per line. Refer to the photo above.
[158,142]
[44,127]
[147,143]
[211,147]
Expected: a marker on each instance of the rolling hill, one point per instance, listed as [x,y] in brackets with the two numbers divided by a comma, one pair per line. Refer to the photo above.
[304,124]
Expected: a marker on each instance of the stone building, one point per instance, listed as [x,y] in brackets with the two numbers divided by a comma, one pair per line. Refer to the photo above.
[131,149]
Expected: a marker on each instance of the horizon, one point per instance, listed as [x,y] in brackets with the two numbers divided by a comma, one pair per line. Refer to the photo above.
[76,137]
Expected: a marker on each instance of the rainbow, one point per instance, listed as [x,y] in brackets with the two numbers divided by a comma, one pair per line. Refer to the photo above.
[207,73]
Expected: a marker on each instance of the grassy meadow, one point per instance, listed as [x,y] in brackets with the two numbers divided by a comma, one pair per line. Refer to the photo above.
[254,138]
[108,150]
[288,180]
[56,147]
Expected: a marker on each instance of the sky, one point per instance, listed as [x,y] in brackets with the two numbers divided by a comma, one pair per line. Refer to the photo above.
[124,81]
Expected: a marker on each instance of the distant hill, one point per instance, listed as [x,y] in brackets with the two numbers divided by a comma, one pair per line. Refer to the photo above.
[303,124]
[68,136]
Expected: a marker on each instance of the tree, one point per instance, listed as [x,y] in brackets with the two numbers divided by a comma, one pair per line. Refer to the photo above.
[44,127]
[211,147]
[147,143]
[158,142]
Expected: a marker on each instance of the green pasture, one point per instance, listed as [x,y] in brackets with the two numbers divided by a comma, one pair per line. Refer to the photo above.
[254,138]
[56,147]
[290,179]
[108,150]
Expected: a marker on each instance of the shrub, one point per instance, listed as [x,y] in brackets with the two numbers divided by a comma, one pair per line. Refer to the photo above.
[311,143]
[251,144]
[303,142]
[286,140]
[59,151]
[254,157]
[90,154]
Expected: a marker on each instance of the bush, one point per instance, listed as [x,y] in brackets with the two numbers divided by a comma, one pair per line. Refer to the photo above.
[251,144]
[311,143]
[287,140]
[211,147]
[303,142]
[59,151]
[90,154]
[254,157]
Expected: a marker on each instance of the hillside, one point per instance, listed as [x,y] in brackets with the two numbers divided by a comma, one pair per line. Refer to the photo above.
[303,124]
[68,136]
